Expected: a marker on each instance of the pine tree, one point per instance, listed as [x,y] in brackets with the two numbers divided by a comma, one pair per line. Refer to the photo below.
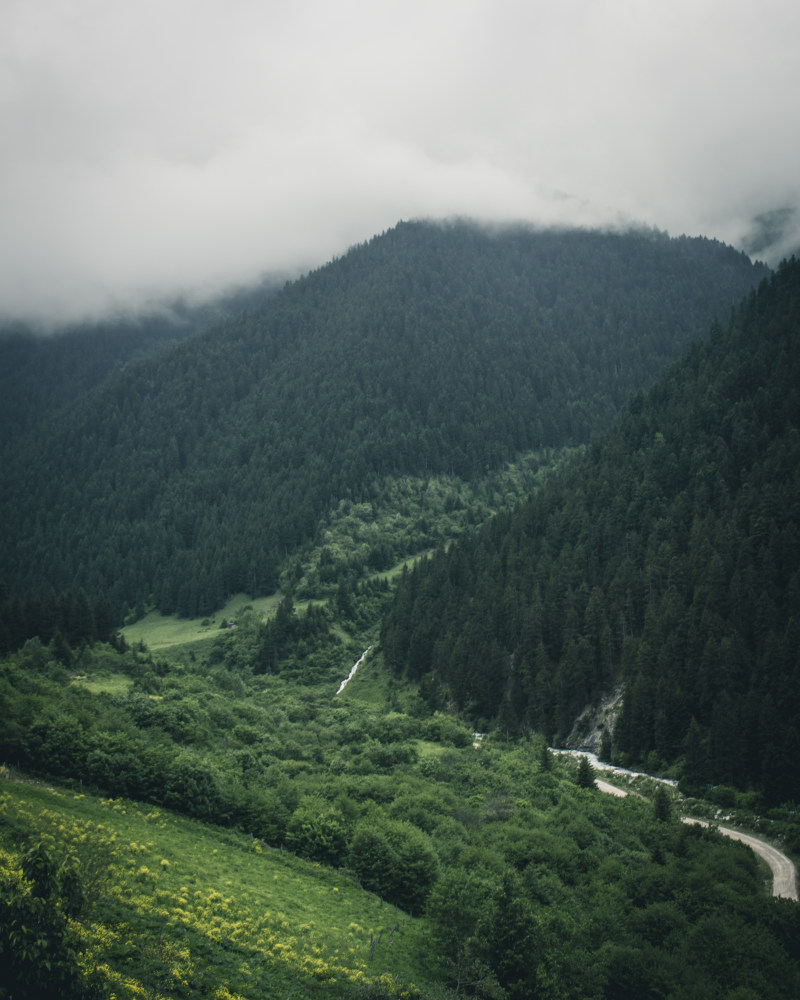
[585,773]
[662,808]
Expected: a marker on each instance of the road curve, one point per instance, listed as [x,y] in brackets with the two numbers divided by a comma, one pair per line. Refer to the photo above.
[784,873]
[610,789]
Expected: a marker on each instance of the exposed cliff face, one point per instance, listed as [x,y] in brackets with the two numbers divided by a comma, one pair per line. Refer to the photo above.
[594,720]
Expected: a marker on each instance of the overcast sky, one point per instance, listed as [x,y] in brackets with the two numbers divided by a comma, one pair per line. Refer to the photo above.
[164,146]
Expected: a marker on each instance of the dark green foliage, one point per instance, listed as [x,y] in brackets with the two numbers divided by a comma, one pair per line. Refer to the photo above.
[394,859]
[662,808]
[70,620]
[317,831]
[42,373]
[585,777]
[528,886]
[38,947]
[667,556]
[508,930]
[192,475]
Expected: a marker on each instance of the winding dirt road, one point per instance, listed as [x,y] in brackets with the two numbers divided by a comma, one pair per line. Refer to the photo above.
[610,789]
[784,873]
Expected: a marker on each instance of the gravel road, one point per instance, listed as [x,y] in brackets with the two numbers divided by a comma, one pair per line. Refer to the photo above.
[784,873]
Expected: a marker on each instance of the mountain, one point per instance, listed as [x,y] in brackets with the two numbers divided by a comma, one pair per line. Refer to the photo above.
[665,558]
[192,474]
[40,373]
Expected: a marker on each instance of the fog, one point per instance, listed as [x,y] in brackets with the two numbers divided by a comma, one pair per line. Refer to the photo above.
[184,146]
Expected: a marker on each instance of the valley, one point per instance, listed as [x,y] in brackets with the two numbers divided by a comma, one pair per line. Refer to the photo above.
[305,800]
[263,585]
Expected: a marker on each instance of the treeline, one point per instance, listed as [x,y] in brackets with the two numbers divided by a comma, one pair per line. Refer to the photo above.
[666,557]
[182,479]
[70,619]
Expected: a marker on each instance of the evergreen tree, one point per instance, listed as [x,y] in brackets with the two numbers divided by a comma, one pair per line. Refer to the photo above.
[662,808]
[585,777]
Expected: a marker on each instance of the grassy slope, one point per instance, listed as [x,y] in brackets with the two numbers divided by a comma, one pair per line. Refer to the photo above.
[195,911]
[189,909]
[210,908]
[161,633]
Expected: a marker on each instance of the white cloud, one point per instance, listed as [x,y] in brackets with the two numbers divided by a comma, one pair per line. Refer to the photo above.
[181,144]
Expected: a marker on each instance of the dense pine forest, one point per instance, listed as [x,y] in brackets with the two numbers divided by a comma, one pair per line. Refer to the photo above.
[666,557]
[191,475]
[44,371]
[490,478]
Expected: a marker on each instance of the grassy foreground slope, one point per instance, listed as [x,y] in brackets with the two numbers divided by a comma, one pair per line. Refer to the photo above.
[186,909]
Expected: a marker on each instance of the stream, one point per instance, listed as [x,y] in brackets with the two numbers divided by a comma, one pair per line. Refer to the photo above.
[599,765]
[353,669]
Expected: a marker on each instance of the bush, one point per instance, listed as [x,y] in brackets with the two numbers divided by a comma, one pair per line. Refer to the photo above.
[395,860]
[317,832]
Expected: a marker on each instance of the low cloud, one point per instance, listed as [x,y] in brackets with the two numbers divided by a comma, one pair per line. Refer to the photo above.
[164,148]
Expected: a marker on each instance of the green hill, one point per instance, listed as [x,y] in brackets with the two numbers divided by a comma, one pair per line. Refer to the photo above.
[666,558]
[431,350]
[182,909]
[360,847]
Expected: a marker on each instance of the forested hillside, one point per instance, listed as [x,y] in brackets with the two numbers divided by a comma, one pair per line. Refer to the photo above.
[42,372]
[666,557]
[430,350]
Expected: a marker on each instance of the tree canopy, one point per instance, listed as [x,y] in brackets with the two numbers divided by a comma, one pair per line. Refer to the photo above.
[667,557]
[191,474]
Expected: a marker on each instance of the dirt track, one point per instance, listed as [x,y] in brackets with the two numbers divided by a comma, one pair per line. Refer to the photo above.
[784,873]
[610,789]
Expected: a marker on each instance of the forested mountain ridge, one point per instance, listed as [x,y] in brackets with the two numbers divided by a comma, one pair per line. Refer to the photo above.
[431,349]
[666,557]
[41,372]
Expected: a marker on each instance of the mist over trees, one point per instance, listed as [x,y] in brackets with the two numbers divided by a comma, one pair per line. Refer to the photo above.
[191,475]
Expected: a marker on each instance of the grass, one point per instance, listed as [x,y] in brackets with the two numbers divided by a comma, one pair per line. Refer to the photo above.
[114,684]
[162,633]
[197,910]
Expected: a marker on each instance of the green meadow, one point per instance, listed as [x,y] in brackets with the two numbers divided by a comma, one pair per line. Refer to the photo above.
[165,633]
